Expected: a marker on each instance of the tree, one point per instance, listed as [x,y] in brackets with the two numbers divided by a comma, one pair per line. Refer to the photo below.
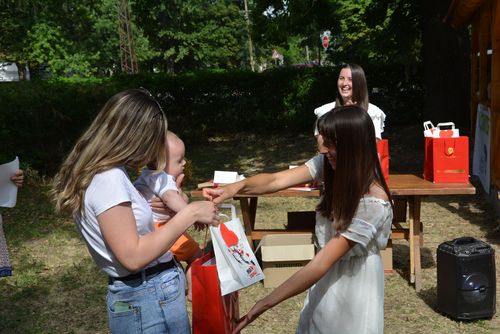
[382,32]
[291,26]
[192,34]
[65,37]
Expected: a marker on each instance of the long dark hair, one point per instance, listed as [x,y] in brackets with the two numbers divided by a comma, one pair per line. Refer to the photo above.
[359,87]
[350,130]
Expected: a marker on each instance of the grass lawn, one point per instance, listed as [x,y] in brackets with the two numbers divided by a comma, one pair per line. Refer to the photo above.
[56,288]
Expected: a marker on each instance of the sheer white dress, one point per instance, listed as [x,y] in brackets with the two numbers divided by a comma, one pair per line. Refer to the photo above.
[350,297]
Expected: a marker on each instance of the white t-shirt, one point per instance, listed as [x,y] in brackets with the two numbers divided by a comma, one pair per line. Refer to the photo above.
[106,190]
[377,115]
[152,184]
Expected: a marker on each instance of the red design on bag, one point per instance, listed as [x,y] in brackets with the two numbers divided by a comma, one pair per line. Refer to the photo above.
[230,238]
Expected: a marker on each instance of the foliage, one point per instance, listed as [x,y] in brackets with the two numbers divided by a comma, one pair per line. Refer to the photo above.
[65,38]
[192,34]
[382,32]
[366,31]
[80,38]
[290,25]
[41,120]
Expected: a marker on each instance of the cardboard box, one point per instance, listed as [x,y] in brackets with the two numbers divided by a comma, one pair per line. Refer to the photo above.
[283,255]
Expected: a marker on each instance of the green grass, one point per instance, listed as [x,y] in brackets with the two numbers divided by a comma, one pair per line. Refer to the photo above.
[56,287]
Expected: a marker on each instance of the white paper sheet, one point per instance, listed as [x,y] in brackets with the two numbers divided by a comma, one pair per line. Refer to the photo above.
[225,177]
[8,190]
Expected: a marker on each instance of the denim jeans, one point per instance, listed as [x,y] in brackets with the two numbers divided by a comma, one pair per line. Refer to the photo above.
[155,305]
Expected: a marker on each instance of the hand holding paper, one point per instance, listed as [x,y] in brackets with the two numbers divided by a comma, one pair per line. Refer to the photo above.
[8,189]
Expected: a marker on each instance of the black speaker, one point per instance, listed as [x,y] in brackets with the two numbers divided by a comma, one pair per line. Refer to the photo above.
[466,279]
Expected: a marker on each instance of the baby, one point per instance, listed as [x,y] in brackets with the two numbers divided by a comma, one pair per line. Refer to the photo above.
[166,185]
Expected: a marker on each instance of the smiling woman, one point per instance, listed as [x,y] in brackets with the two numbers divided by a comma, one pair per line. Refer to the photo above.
[352,89]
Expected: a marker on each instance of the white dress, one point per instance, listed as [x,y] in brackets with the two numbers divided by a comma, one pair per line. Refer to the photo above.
[349,298]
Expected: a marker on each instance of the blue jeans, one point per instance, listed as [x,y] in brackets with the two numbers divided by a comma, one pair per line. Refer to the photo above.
[155,305]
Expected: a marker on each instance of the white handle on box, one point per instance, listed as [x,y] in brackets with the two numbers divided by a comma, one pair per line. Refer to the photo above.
[229,206]
[446,124]
[426,125]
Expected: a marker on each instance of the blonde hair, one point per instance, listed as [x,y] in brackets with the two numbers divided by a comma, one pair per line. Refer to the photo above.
[130,130]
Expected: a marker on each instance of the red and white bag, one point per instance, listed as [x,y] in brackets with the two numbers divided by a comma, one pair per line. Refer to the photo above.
[237,266]
[442,130]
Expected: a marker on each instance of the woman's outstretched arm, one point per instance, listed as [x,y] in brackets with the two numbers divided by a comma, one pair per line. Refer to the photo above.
[259,184]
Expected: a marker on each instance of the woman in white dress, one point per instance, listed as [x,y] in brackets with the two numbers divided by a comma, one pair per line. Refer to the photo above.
[346,277]
[352,89]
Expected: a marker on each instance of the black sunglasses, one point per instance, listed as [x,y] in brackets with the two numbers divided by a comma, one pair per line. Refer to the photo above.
[161,113]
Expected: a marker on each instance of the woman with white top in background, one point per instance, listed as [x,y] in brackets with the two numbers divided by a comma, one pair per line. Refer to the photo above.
[352,89]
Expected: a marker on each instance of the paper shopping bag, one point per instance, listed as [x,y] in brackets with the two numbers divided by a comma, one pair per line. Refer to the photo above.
[446,130]
[442,130]
[446,159]
[383,154]
[237,266]
[212,313]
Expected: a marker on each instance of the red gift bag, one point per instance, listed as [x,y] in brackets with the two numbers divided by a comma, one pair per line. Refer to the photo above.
[383,154]
[447,159]
[212,313]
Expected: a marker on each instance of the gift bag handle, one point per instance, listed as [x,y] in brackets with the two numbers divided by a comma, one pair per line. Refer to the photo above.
[229,206]
[446,124]
[428,125]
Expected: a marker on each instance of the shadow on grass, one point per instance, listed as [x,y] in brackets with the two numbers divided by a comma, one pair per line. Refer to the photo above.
[248,154]
[401,257]
[66,301]
[476,210]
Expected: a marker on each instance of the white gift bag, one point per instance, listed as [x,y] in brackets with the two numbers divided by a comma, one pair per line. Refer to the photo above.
[442,130]
[428,129]
[237,266]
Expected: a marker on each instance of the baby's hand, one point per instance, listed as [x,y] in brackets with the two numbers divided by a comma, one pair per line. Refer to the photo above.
[158,206]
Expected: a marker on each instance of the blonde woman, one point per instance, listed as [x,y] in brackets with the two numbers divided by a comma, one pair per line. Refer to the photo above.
[146,287]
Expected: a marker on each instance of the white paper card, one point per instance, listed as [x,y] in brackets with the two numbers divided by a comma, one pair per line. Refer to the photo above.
[8,190]
[225,177]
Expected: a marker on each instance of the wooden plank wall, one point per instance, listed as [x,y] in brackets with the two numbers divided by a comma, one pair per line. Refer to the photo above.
[486,35]
[495,94]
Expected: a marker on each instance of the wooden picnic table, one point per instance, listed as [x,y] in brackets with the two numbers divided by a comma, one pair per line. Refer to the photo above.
[407,191]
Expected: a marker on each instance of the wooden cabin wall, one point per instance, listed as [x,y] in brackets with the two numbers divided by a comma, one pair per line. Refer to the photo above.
[495,95]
